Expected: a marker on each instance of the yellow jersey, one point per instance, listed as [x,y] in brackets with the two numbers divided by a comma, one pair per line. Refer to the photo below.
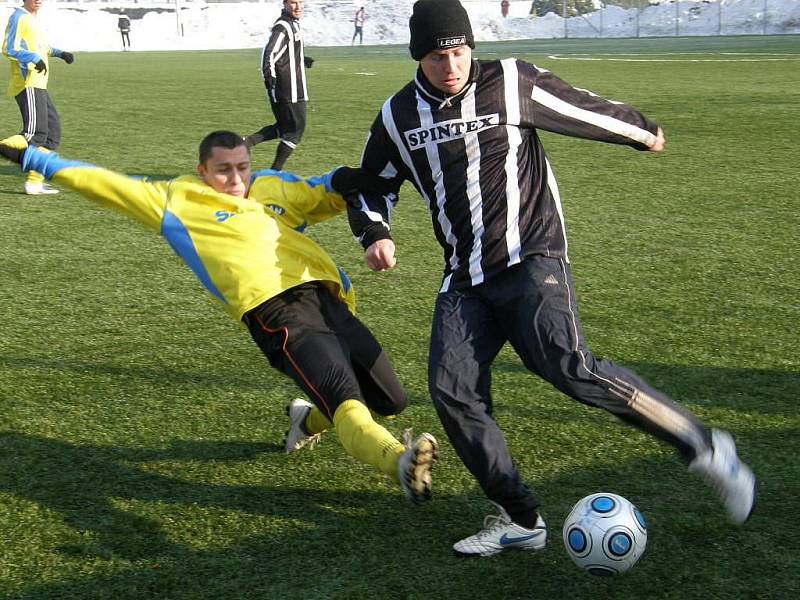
[24,45]
[243,250]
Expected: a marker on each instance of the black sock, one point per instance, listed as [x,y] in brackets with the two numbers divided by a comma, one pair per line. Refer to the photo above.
[526,519]
[270,132]
[281,154]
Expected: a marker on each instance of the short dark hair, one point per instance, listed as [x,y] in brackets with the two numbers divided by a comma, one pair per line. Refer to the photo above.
[219,139]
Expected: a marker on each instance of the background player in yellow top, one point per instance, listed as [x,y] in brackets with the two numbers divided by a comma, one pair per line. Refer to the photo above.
[242,234]
[28,53]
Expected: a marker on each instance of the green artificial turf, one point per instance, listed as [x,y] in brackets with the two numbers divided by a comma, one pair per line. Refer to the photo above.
[140,428]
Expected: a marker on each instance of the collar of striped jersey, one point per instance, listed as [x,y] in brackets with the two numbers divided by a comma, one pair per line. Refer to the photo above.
[433,94]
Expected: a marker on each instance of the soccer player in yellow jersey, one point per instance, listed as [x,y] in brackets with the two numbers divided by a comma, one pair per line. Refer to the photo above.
[242,234]
[28,53]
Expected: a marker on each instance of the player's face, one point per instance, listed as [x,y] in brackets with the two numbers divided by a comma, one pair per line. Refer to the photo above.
[448,70]
[227,170]
[295,8]
[33,6]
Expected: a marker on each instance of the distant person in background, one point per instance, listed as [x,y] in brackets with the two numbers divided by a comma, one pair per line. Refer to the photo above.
[28,53]
[283,67]
[124,26]
[504,8]
[359,23]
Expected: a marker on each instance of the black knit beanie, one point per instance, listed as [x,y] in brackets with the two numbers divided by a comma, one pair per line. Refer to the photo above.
[438,25]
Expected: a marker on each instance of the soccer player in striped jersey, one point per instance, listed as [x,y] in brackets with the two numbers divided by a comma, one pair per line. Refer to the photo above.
[243,236]
[283,67]
[464,133]
[28,53]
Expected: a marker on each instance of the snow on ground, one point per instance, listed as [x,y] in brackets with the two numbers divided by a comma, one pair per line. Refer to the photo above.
[92,26]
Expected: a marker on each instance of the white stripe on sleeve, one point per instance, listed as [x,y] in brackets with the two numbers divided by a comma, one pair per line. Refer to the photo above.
[603,121]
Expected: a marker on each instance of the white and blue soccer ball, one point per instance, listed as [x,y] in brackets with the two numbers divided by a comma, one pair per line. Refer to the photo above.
[605,534]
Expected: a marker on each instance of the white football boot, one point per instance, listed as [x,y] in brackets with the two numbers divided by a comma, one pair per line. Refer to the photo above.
[500,533]
[39,189]
[733,480]
[297,437]
[415,464]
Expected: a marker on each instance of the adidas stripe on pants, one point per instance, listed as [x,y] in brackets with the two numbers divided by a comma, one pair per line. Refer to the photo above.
[41,125]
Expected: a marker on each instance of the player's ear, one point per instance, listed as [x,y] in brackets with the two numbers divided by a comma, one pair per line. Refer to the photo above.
[202,172]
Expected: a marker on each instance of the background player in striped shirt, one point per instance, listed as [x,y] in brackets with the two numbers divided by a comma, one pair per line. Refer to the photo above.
[464,133]
[28,53]
[283,67]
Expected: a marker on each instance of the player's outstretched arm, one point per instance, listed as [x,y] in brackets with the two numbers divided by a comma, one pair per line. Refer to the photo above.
[67,57]
[140,199]
[555,105]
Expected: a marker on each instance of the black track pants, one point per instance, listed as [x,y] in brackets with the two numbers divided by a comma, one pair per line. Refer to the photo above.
[532,305]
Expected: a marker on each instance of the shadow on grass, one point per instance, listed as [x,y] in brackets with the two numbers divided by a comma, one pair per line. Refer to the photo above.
[7,168]
[354,544]
[242,380]
[81,484]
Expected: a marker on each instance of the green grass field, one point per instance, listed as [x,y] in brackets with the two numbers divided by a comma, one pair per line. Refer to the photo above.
[140,428]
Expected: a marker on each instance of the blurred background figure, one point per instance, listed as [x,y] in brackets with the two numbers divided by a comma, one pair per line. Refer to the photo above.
[283,67]
[124,26]
[29,54]
[359,23]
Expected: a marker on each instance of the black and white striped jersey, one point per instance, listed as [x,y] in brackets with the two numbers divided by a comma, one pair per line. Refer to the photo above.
[476,160]
[282,62]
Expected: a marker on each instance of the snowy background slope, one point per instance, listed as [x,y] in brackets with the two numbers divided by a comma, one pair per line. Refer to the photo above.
[92,26]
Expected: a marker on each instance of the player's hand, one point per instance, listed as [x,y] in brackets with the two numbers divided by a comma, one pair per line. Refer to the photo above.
[67,57]
[658,145]
[12,148]
[308,61]
[40,66]
[380,255]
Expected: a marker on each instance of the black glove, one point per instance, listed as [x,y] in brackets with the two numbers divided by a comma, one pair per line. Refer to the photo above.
[41,67]
[67,57]
[348,181]
[308,61]
[12,154]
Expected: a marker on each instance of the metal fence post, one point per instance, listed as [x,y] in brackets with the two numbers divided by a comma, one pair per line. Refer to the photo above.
[638,14]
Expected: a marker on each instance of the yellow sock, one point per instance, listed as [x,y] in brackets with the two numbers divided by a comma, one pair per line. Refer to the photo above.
[34,177]
[316,422]
[15,141]
[364,439]
[376,416]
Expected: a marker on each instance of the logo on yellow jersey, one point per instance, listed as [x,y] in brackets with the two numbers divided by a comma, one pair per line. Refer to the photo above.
[223,215]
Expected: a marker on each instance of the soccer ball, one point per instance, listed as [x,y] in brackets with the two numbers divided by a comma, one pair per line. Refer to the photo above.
[605,534]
